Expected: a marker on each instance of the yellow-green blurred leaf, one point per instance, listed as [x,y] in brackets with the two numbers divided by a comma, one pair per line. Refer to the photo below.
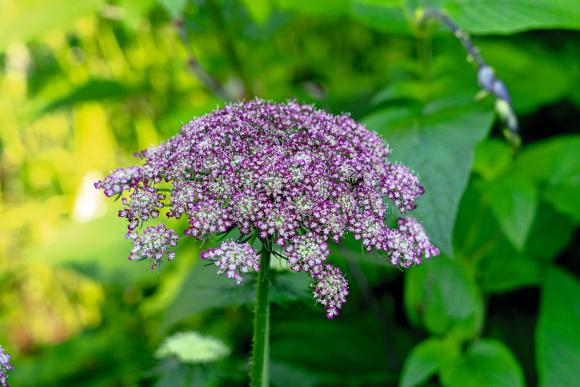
[22,20]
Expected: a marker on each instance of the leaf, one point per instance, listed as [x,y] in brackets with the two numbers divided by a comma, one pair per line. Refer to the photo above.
[557,333]
[555,165]
[441,295]
[191,347]
[324,8]
[425,361]
[23,20]
[204,290]
[486,363]
[551,232]
[135,11]
[511,16]
[287,375]
[174,7]
[339,352]
[514,202]
[93,90]
[259,9]
[500,267]
[506,272]
[439,145]
[492,158]
[97,249]
[384,16]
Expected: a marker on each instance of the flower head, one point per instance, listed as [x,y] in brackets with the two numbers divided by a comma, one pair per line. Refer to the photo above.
[143,204]
[307,253]
[286,173]
[153,244]
[4,367]
[233,259]
[409,243]
[330,289]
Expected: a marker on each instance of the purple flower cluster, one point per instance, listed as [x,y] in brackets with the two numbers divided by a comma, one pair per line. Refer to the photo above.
[330,290]
[154,244]
[287,174]
[4,367]
[234,259]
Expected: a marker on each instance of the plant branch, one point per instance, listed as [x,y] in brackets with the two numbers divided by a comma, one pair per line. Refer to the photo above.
[211,83]
[485,74]
[261,341]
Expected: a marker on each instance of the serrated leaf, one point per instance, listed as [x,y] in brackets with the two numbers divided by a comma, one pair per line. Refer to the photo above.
[191,347]
[557,333]
[438,143]
[425,361]
[487,363]
[511,16]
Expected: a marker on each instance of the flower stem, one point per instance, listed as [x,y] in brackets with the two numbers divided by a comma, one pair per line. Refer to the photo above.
[260,348]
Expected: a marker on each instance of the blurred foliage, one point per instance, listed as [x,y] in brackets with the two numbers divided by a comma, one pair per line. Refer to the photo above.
[84,84]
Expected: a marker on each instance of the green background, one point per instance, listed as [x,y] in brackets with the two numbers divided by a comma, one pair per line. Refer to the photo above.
[85,84]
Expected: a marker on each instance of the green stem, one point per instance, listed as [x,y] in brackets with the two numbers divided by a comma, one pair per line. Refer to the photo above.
[260,347]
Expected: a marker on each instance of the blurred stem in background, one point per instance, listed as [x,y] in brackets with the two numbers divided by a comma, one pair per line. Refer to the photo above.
[210,82]
[260,342]
[227,42]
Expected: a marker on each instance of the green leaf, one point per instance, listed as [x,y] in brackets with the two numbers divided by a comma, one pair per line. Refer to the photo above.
[23,20]
[551,232]
[557,333]
[135,11]
[506,272]
[511,16]
[191,347]
[425,361]
[513,201]
[174,7]
[96,249]
[259,9]
[204,290]
[441,295]
[339,352]
[483,245]
[487,363]
[438,143]
[384,16]
[555,165]
[324,8]
[492,158]
[93,90]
